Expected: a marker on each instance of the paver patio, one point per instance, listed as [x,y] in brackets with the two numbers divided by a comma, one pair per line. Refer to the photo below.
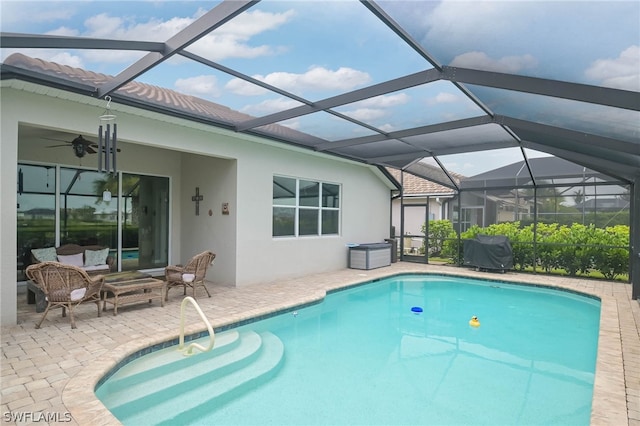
[50,372]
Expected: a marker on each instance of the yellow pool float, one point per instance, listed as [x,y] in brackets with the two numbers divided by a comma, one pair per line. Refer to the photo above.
[474,321]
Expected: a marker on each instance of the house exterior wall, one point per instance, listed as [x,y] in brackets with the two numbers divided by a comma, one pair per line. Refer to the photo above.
[415,216]
[364,214]
[8,179]
[227,167]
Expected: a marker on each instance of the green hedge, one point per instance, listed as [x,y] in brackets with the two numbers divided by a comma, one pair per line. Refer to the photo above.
[576,249]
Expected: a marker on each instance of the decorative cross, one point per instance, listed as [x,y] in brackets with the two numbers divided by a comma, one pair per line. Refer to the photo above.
[197,198]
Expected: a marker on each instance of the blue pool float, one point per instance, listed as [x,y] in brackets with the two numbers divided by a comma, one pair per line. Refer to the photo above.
[416,309]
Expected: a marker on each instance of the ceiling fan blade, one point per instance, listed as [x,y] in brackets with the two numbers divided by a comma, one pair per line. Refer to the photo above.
[90,150]
[56,146]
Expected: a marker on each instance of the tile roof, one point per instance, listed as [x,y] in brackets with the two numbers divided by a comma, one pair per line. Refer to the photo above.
[158,96]
[414,185]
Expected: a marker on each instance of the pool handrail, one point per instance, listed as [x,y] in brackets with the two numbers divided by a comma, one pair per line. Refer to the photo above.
[198,346]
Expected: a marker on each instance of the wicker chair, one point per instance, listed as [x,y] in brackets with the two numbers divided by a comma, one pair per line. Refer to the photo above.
[190,275]
[65,286]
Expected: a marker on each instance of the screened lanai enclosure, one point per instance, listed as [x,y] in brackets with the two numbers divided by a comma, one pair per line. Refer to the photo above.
[528,111]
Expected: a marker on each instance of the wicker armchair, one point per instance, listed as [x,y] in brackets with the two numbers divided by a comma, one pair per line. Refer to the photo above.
[65,286]
[190,275]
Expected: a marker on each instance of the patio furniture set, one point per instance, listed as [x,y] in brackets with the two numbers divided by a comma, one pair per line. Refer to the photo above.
[54,284]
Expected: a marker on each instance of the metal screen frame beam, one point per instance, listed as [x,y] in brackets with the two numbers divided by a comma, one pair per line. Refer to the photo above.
[37,41]
[394,85]
[202,26]
[541,86]
[590,139]
[423,130]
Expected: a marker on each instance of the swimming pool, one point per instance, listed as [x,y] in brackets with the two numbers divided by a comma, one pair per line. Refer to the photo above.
[364,357]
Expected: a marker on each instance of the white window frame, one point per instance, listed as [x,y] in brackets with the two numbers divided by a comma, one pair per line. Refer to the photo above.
[319,208]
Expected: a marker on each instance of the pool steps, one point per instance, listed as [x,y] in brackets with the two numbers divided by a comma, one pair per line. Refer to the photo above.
[236,364]
[137,371]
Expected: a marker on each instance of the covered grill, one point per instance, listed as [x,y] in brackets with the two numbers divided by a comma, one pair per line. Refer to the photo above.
[488,252]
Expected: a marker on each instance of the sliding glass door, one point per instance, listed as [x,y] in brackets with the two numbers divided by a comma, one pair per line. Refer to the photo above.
[36,212]
[61,205]
[145,221]
[87,216]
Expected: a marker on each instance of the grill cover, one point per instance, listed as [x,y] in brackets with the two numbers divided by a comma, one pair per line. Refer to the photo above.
[488,252]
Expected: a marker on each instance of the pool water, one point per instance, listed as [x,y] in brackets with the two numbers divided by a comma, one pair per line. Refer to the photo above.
[364,357]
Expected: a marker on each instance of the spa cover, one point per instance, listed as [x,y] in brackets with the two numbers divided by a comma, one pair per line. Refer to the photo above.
[488,252]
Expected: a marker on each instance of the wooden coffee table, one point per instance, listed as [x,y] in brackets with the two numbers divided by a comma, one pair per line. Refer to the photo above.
[119,292]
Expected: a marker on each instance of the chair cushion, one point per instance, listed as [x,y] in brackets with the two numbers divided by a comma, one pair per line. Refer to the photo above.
[92,268]
[72,259]
[77,294]
[61,295]
[96,257]
[45,254]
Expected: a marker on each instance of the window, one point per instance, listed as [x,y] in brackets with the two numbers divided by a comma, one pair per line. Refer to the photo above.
[304,207]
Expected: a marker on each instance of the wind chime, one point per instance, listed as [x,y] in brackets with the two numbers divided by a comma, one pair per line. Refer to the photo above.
[107,141]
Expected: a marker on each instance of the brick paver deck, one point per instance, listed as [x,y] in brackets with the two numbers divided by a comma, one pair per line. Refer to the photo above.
[51,372]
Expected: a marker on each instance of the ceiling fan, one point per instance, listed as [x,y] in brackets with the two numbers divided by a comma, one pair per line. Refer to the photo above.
[80,146]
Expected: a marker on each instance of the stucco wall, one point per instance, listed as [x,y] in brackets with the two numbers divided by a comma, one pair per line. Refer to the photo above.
[8,218]
[210,230]
[364,215]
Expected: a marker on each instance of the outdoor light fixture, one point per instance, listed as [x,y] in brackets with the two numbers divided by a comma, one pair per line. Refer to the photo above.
[107,146]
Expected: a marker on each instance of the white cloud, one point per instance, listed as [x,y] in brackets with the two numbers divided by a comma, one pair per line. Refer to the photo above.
[231,40]
[26,12]
[51,55]
[622,72]
[376,108]
[244,88]
[367,114]
[65,58]
[385,101]
[202,86]
[255,22]
[443,98]
[270,106]
[387,128]
[482,61]
[63,31]
[492,19]
[317,79]
[219,47]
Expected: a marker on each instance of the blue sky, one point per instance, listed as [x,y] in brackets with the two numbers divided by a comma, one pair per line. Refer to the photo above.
[319,49]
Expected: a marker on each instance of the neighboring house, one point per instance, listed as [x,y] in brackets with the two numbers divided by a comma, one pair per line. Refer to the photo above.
[420,201]
[484,208]
[201,187]
[603,204]
[417,194]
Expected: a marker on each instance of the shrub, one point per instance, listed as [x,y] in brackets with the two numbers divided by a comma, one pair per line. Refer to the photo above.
[439,232]
[576,249]
[613,261]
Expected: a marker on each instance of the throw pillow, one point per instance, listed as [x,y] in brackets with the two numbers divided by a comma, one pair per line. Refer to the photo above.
[96,257]
[72,259]
[45,254]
